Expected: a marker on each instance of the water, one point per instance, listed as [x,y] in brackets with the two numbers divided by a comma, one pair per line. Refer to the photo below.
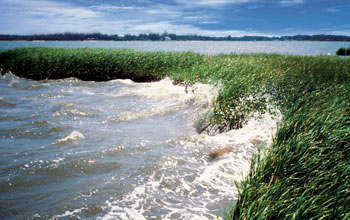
[116,150]
[205,47]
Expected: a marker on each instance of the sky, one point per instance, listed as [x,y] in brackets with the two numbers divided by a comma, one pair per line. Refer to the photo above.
[201,17]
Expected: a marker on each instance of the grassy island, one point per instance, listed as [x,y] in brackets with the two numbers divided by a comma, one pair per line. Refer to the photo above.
[305,174]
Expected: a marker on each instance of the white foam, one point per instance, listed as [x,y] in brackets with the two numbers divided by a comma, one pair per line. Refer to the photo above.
[244,143]
[124,81]
[70,79]
[168,98]
[68,108]
[200,94]
[72,136]
[157,110]
[211,182]
[77,112]
[159,90]
[70,213]
[186,185]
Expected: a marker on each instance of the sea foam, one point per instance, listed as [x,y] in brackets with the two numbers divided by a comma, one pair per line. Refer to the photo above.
[72,136]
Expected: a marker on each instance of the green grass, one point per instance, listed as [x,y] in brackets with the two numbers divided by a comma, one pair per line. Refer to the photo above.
[92,64]
[305,174]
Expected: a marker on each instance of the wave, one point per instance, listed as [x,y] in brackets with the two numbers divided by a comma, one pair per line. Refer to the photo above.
[165,98]
[130,116]
[204,185]
[69,109]
[73,136]
[166,89]
[36,86]
[4,103]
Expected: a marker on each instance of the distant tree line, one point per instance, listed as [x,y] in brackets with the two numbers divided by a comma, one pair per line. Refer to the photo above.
[165,36]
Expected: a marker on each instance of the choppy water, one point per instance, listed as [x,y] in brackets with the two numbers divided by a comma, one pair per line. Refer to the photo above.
[205,47]
[71,149]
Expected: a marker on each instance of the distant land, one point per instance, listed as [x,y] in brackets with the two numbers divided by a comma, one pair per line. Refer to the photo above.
[164,37]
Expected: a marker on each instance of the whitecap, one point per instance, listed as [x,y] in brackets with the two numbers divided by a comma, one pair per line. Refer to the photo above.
[73,136]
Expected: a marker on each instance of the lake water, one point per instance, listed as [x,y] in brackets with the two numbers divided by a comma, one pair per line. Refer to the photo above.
[205,47]
[71,149]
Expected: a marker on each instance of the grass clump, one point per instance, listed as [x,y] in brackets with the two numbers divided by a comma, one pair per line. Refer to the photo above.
[305,174]
[343,52]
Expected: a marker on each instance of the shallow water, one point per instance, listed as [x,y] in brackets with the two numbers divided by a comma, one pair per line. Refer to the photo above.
[116,150]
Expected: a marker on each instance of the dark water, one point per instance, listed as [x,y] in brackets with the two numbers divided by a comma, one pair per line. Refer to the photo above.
[115,150]
[205,47]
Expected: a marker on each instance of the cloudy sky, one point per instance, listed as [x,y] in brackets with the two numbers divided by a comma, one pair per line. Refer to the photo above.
[203,17]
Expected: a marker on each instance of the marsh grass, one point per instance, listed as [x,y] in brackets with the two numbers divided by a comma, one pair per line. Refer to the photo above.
[93,64]
[305,174]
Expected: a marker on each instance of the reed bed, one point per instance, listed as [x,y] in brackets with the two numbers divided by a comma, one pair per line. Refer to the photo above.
[305,174]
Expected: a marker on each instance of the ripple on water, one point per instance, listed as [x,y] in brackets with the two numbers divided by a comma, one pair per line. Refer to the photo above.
[4,103]
[69,109]
[24,132]
[37,86]
[56,129]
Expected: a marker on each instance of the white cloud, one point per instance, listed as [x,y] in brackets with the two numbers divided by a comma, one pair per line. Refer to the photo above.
[49,9]
[289,29]
[35,17]
[164,11]
[200,17]
[43,15]
[210,22]
[291,2]
[114,8]
[160,27]
[47,16]
[340,32]
[337,30]
[195,17]
[332,10]
[212,2]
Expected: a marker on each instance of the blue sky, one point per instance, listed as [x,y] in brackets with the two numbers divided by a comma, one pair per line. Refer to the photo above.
[202,17]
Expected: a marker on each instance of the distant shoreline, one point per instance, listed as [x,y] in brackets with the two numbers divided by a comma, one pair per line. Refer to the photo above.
[172,41]
[165,37]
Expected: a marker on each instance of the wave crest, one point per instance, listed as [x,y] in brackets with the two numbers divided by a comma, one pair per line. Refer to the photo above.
[73,136]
